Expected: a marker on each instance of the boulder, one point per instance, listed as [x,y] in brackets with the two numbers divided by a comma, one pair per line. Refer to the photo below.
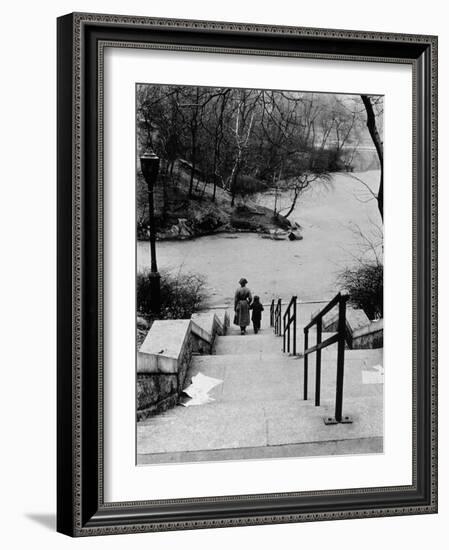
[295,236]
[184,230]
[278,234]
[172,233]
[142,323]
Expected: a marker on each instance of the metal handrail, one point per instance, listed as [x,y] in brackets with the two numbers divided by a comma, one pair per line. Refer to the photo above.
[288,319]
[272,313]
[339,338]
[277,316]
[335,300]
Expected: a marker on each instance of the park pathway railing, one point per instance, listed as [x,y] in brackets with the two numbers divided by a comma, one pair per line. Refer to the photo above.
[288,320]
[276,316]
[339,338]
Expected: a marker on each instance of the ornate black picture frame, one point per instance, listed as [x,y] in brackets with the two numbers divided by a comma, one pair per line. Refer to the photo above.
[81,510]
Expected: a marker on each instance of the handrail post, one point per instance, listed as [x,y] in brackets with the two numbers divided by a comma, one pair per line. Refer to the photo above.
[288,329]
[319,328]
[276,318]
[283,334]
[340,357]
[306,367]
[294,326]
[279,317]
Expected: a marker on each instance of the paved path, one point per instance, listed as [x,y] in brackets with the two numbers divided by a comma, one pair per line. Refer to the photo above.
[258,410]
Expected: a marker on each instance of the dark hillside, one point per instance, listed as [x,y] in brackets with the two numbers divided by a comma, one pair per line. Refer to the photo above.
[179,216]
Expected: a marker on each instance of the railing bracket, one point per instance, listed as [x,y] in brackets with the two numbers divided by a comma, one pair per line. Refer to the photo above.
[331,420]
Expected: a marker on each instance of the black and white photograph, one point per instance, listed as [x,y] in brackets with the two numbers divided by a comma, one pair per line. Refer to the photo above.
[259,273]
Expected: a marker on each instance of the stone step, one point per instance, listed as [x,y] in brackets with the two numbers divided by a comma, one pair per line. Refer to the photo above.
[368,356]
[255,424]
[266,341]
[304,313]
[270,358]
[266,328]
[273,377]
[249,343]
[235,331]
[359,380]
[249,377]
[251,380]
[368,359]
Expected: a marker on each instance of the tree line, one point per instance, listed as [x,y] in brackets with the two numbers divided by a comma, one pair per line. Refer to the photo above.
[246,141]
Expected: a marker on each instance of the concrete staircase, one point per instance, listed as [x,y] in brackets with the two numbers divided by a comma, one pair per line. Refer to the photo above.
[259,410]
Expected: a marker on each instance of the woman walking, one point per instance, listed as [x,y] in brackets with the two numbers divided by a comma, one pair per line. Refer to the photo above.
[242,301]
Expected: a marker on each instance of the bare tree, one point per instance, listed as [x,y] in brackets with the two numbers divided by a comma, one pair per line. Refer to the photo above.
[244,118]
[378,144]
[245,141]
[297,186]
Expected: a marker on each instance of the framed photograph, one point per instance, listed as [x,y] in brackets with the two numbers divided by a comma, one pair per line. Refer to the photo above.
[247,274]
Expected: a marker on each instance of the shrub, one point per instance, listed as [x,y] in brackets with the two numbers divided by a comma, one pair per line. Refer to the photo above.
[365,286]
[245,185]
[181,294]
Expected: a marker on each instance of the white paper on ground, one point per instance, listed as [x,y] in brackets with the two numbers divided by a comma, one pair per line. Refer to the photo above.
[373,376]
[199,388]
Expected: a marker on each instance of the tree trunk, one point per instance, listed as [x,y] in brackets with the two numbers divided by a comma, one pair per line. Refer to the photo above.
[293,204]
[275,199]
[215,188]
[164,195]
[192,174]
[372,128]
[193,134]
[233,198]
[234,186]
[214,170]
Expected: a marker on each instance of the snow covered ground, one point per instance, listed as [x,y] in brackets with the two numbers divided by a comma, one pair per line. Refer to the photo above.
[331,215]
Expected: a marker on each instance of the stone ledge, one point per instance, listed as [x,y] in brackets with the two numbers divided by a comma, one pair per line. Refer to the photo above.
[208,324]
[371,336]
[203,326]
[165,342]
[164,358]
[361,333]
[163,346]
[355,320]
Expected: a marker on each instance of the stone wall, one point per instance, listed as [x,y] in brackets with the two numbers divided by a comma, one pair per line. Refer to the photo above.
[361,333]
[164,358]
[369,337]
[162,362]
[155,393]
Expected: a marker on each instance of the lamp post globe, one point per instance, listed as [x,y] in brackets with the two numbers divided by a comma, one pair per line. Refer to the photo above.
[149,164]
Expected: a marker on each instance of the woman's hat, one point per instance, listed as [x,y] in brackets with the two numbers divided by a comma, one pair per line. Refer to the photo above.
[243,281]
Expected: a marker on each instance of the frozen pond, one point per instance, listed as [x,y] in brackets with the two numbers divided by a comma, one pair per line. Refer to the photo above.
[330,217]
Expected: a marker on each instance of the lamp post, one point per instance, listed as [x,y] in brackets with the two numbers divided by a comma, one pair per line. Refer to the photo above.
[149,163]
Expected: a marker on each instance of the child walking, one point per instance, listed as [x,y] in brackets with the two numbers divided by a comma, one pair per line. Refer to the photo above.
[256,316]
